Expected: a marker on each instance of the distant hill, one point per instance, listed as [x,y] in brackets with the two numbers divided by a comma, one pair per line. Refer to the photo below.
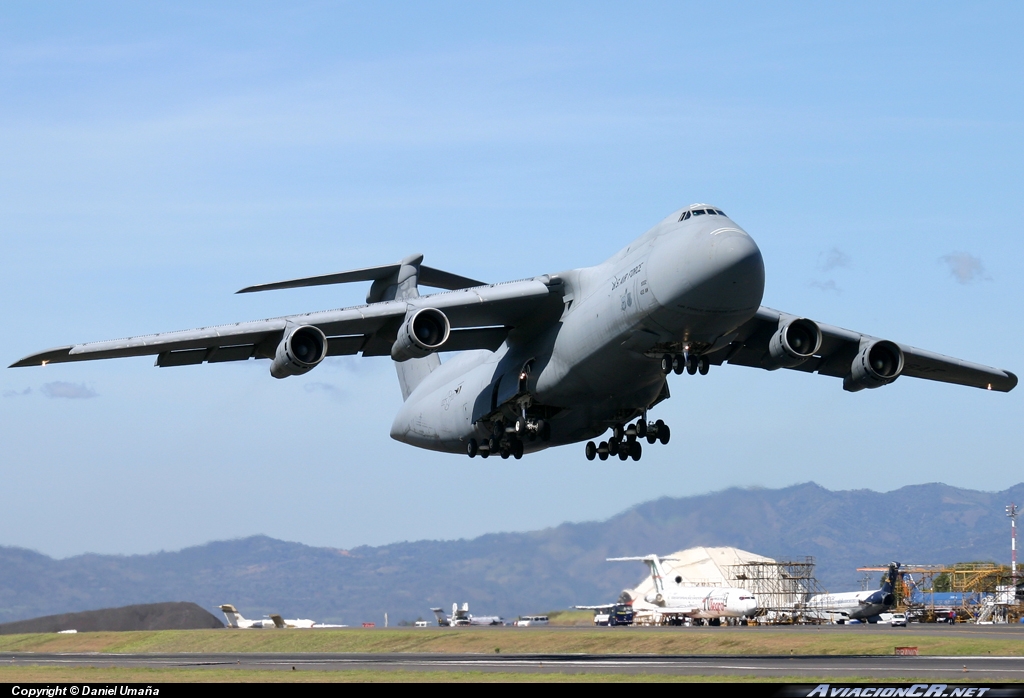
[517,573]
[174,615]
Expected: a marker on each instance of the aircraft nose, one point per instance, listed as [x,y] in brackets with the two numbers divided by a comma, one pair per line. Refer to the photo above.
[726,272]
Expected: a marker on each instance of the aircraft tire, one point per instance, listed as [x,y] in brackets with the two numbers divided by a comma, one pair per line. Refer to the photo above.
[664,434]
[484,454]
[651,437]
[623,453]
[602,451]
[641,428]
[613,446]
[544,429]
[518,426]
[635,450]
[505,453]
[492,445]
[591,450]
[517,449]
[678,365]
[691,365]
[703,365]
[472,448]
[498,429]
[666,364]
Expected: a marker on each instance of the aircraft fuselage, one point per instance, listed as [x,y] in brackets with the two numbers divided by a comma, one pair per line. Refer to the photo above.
[682,286]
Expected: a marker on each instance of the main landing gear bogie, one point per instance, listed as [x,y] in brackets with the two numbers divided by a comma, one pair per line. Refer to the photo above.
[625,441]
[692,364]
[507,438]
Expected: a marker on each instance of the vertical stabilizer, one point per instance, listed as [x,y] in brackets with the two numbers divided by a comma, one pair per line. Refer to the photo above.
[232,615]
[657,572]
[404,283]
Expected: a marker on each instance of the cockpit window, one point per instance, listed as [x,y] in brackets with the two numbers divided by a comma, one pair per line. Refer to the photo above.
[701,212]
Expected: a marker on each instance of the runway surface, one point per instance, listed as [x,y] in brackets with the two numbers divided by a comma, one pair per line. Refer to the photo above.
[940,668]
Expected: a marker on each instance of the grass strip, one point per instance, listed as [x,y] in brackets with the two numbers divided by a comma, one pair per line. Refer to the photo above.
[687,641]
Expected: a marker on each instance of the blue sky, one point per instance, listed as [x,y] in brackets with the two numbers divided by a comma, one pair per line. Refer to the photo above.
[157,158]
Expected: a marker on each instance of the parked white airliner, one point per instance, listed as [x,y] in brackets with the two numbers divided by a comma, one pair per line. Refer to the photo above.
[673,597]
[562,357]
[853,605]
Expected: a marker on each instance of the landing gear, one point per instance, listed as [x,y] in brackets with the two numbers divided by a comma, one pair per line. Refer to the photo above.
[658,431]
[472,448]
[691,363]
[625,441]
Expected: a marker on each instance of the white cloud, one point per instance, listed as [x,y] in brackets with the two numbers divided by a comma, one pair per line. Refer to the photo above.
[965,267]
[72,391]
[833,259]
[829,285]
[15,393]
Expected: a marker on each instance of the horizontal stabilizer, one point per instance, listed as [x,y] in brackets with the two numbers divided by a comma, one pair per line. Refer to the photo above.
[428,276]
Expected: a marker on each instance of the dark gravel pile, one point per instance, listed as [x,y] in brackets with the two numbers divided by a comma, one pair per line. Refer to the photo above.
[172,615]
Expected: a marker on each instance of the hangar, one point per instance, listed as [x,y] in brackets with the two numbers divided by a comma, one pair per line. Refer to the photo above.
[778,585]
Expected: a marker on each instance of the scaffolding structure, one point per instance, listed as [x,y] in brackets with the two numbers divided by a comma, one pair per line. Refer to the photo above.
[970,591]
[779,587]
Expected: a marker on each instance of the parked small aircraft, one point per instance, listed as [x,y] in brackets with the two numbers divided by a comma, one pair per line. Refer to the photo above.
[237,620]
[557,358]
[672,597]
[462,616]
[274,620]
[853,605]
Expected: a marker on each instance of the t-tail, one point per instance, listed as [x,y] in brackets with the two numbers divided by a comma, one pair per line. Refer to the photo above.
[232,615]
[889,585]
[654,562]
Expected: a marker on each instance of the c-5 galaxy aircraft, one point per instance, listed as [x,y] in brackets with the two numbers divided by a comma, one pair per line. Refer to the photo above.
[558,358]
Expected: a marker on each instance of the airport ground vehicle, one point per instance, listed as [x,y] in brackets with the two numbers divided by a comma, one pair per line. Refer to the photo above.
[898,620]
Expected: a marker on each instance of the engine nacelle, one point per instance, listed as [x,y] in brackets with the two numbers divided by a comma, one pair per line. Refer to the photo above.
[794,343]
[877,363]
[422,333]
[300,351]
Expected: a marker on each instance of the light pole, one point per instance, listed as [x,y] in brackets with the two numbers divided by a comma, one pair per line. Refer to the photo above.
[1011,511]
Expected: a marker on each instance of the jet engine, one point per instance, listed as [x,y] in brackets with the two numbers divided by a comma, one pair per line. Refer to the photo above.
[877,363]
[422,333]
[300,351]
[794,343]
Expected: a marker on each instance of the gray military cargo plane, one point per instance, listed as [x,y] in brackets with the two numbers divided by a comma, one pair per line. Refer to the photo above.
[558,358]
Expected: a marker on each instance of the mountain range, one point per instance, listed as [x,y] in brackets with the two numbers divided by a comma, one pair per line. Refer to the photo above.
[520,573]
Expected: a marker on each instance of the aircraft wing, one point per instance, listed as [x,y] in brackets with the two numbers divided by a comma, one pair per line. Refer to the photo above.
[839,348]
[481,317]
